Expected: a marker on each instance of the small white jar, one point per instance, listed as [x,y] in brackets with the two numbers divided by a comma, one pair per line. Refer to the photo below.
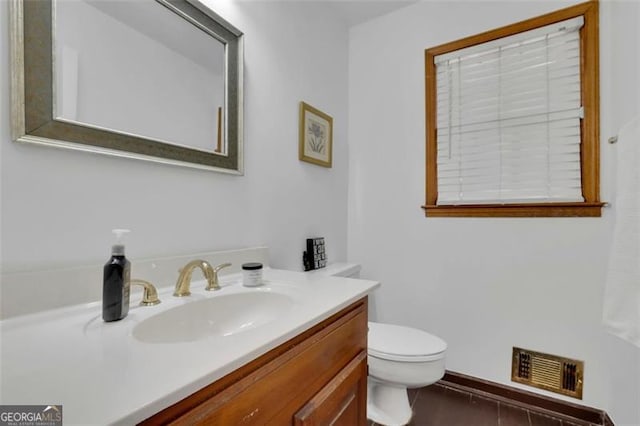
[252,274]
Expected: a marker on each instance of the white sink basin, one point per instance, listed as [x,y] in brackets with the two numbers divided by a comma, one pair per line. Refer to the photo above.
[218,316]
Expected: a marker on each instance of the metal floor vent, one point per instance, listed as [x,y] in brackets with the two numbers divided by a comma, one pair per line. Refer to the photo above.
[549,372]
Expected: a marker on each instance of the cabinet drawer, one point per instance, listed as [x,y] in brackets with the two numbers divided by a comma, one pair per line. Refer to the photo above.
[272,388]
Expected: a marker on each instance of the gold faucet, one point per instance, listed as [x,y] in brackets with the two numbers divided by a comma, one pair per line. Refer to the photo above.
[149,294]
[210,273]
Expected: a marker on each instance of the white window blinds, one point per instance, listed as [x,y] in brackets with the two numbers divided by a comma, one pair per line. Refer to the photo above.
[508,119]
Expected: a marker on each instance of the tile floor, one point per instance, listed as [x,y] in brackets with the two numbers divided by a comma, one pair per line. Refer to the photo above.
[440,405]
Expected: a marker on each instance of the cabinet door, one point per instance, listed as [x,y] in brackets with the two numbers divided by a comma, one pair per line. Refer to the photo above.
[342,402]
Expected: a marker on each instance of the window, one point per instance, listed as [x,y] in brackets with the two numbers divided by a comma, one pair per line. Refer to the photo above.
[513,119]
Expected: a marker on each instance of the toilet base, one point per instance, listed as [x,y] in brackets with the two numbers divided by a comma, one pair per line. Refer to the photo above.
[387,404]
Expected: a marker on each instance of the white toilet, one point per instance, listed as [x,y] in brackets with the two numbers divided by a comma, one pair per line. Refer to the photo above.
[399,358]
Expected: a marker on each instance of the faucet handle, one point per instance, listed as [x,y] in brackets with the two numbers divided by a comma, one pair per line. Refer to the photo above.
[224,265]
[149,294]
[214,284]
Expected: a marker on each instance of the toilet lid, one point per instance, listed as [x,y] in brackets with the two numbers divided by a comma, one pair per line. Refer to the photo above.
[398,343]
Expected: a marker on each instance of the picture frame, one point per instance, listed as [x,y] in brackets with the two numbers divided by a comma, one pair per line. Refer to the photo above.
[315,136]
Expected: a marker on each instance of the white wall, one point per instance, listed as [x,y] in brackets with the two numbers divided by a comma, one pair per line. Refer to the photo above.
[58,206]
[484,285]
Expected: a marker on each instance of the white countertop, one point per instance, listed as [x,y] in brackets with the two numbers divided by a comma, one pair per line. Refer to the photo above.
[101,374]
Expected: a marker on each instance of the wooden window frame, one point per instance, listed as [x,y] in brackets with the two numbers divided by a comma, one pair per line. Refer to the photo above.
[590,124]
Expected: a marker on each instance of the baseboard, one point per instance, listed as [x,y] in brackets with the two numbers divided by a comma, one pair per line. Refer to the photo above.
[526,399]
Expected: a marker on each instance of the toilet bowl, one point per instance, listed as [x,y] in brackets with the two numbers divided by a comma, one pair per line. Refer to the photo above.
[399,358]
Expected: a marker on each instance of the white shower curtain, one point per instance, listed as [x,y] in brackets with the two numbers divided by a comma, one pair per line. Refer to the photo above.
[621,310]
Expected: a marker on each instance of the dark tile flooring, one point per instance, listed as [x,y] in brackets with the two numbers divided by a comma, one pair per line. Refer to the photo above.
[440,405]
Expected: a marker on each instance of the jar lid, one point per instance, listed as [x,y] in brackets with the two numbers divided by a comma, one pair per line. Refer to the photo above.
[251,266]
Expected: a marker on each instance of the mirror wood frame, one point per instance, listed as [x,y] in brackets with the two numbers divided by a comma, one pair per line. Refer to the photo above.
[32,92]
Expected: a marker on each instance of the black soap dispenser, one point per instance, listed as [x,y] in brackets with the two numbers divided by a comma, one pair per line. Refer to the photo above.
[116,282]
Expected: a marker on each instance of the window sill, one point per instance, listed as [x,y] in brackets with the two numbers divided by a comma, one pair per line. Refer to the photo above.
[516,210]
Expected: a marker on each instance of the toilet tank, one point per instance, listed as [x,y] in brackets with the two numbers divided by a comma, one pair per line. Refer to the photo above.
[347,270]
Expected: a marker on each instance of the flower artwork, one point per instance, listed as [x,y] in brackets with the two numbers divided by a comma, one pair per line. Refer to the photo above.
[316,128]
[316,137]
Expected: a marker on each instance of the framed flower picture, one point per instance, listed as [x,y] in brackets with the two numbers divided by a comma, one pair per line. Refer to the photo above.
[316,136]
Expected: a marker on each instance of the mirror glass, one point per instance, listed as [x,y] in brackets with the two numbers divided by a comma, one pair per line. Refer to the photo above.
[153,80]
[155,76]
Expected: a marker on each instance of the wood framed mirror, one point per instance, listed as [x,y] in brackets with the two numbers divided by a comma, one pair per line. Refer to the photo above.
[152,80]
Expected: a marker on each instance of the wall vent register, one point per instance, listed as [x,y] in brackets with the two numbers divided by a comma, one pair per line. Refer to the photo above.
[549,372]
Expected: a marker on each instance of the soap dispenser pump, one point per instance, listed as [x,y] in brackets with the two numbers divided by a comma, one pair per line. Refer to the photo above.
[116,282]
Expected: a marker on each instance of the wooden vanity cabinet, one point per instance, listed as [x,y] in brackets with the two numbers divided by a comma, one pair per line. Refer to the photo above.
[317,378]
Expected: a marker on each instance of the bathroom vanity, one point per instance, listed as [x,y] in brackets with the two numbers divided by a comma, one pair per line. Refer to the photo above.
[318,377]
[292,351]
